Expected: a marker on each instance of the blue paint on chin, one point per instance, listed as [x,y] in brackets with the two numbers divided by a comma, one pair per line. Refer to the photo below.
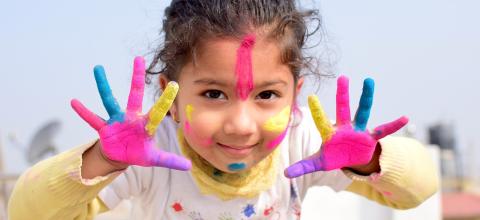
[236,166]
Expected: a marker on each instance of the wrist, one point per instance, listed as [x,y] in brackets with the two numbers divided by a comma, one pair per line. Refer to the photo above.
[114,164]
[373,166]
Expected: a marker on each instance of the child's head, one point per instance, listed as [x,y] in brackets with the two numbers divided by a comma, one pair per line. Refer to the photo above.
[238,65]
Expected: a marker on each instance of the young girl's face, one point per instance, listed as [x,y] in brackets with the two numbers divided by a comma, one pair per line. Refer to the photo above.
[226,123]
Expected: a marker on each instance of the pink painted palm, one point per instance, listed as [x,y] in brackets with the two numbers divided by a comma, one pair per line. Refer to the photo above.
[127,137]
[346,144]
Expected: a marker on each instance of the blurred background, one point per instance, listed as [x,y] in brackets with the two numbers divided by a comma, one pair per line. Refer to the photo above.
[423,56]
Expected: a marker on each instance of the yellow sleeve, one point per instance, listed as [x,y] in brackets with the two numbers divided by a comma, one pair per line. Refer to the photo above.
[408,175]
[54,189]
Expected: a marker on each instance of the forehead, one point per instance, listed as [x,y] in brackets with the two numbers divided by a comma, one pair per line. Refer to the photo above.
[217,58]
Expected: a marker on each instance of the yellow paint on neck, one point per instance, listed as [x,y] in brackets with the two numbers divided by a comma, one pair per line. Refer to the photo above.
[188,110]
[278,122]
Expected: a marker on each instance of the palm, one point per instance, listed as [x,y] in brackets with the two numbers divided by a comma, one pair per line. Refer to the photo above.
[347,144]
[127,137]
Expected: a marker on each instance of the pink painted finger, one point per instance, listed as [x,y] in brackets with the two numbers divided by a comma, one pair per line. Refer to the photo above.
[92,119]
[169,160]
[343,102]
[389,128]
[305,166]
[137,87]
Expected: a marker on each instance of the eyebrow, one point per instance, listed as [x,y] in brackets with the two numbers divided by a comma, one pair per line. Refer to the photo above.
[209,81]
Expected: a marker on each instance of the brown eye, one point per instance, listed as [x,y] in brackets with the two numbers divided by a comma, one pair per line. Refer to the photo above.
[267,95]
[214,94]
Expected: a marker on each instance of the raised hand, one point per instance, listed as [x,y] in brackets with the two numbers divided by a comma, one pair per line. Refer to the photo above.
[127,137]
[346,144]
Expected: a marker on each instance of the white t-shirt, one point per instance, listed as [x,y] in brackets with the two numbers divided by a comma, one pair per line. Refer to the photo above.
[159,193]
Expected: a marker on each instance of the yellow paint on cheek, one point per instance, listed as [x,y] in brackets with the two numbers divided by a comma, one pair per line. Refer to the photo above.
[188,110]
[278,122]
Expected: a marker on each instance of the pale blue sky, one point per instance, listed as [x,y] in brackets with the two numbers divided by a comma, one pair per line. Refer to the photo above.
[423,55]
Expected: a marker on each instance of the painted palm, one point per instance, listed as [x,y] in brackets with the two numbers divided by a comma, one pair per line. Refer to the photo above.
[127,137]
[347,143]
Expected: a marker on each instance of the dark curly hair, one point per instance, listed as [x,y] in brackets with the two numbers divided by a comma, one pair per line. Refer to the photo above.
[187,22]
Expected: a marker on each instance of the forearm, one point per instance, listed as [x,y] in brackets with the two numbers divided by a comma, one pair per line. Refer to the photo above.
[55,189]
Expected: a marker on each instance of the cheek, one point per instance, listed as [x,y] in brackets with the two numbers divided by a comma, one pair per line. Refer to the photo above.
[276,127]
[197,128]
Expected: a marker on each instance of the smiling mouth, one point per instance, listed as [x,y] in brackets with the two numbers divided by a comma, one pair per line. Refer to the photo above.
[236,151]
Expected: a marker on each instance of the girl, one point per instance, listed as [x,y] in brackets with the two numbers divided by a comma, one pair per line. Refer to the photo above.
[234,145]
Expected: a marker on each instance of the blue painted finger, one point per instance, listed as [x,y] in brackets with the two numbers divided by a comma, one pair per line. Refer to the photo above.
[365,105]
[110,103]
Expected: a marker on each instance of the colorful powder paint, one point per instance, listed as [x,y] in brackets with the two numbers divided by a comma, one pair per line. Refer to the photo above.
[243,68]
[188,111]
[177,207]
[249,210]
[188,128]
[278,122]
[275,142]
[387,193]
[236,166]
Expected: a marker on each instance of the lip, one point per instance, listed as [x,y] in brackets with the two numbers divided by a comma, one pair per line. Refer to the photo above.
[236,151]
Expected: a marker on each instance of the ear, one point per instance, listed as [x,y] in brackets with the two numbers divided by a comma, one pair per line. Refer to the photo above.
[299,85]
[163,80]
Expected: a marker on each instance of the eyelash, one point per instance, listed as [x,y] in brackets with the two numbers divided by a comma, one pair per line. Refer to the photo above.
[270,92]
[219,93]
[205,94]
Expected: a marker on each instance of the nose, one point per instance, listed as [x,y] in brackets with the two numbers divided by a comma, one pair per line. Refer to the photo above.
[239,121]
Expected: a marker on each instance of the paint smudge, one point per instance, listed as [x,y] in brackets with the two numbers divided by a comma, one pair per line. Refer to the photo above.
[387,193]
[188,111]
[278,122]
[236,166]
[188,128]
[177,207]
[268,211]
[243,68]
[275,142]
[249,210]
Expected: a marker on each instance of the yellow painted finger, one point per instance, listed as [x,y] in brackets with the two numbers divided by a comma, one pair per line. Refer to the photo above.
[278,122]
[161,107]
[321,121]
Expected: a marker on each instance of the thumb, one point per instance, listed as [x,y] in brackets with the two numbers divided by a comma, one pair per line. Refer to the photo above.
[308,165]
[170,160]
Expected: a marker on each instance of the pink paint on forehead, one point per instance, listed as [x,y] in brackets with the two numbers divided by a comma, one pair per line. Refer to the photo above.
[243,68]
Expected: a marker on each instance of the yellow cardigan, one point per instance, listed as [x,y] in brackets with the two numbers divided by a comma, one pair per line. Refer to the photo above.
[54,188]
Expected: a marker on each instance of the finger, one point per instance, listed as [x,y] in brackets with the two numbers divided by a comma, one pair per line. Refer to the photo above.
[303,167]
[92,119]
[321,121]
[169,160]
[110,103]
[161,107]
[389,128]
[365,105]
[138,84]
[343,103]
